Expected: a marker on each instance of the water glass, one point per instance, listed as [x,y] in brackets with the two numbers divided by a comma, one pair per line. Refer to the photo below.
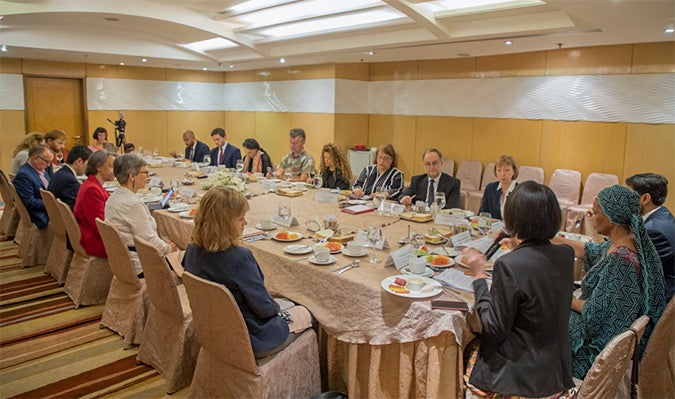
[318,182]
[239,166]
[180,156]
[59,157]
[439,199]
[484,222]
[284,210]
[417,242]
[155,152]
[375,238]
[207,159]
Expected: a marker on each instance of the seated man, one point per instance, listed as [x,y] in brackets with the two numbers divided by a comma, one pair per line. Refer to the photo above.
[64,184]
[659,221]
[424,187]
[32,177]
[223,153]
[299,163]
[194,149]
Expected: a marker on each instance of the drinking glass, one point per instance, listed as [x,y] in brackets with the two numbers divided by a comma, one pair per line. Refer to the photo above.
[439,199]
[207,159]
[288,175]
[239,166]
[417,242]
[375,237]
[318,182]
[284,210]
[484,222]
[180,156]
[269,171]
[155,152]
[59,157]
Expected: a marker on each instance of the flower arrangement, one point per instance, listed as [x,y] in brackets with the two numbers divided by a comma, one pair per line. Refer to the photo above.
[223,178]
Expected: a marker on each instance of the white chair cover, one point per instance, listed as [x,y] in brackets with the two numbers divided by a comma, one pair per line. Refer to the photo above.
[656,374]
[226,366]
[126,307]
[475,197]
[448,166]
[566,184]
[10,216]
[169,342]
[469,173]
[34,243]
[534,173]
[594,184]
[58,260]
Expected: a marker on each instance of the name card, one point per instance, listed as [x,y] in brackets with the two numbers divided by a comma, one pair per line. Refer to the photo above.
[496,226]
[155,182]
[461,239]
[399,258]
[187,192]
[269,185]
[325,196]
[482,244]
[286,222]
[447,220]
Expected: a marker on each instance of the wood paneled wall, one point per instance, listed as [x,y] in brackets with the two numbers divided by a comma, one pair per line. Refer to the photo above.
[619,148]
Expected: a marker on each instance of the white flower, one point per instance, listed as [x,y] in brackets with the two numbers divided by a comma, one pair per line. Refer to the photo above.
[222,178]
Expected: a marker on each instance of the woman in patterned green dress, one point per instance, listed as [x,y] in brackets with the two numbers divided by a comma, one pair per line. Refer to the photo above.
[624,278]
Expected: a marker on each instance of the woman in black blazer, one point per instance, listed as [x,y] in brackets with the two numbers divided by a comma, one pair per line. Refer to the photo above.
[524,345]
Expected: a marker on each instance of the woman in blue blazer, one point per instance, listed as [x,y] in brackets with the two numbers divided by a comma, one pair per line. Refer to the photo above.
[494,196]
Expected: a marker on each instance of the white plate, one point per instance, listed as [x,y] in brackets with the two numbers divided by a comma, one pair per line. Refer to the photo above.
[452,263]
[437,287]
[488,266]
[298,249]
[259,227]
[331,260]
[185,214]
[347,252]
[451,252]
[427,272]
[299,237]
[575,236]
[179,207]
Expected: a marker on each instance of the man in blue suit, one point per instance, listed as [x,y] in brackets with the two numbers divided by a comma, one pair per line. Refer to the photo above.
[194,149]
[223,153]
[659,221]
[64,184]
[28,181]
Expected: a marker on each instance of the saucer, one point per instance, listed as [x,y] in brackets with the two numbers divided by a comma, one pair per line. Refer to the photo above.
[179,207]
[427,272]
[298,249]
[330,261]
[347,252]
[259,227]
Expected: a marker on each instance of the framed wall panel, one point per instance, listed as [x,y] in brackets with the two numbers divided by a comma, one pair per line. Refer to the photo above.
[600,60]
[654,57]
[511,65]
[399,131]
[454,68]
[13,128]
[453,136]
[517,137]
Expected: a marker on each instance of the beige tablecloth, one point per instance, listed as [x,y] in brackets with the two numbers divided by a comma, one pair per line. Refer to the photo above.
[378,344]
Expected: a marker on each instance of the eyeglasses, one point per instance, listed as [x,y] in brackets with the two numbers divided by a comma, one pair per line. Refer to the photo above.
[48,161]
[143,171]
[435,163]
[384,158]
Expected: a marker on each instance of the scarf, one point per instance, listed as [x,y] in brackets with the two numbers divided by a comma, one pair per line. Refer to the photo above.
[253,165]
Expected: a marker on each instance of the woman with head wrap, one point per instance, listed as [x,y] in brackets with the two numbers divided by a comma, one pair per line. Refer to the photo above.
[624,278]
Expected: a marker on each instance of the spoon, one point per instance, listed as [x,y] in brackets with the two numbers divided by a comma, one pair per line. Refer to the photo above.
[354,265]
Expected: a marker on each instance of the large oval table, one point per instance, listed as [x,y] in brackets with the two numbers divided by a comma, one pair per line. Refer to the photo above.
[374,344]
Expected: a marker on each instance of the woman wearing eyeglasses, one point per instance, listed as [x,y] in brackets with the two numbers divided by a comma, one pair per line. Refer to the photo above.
[381,177]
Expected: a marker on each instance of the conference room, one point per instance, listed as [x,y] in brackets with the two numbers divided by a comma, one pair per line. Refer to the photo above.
[573,90]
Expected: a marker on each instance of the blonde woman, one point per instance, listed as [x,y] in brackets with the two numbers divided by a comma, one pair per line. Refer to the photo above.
[21,151]
[215,254]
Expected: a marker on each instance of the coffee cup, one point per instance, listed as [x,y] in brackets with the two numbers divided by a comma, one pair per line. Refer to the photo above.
[266,223]
[321,254]
[417,265]
[354,247]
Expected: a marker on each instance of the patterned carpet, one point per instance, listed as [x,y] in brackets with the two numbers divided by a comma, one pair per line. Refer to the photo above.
[49,349]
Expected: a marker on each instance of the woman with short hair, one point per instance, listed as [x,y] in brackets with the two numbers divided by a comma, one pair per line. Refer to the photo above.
[495,193]
[100,136]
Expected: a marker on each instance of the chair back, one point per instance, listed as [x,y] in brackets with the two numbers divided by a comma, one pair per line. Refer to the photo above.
[488,176]
[595,182]
[58,260]
[10,217]
[55,218]
[448,166]
[657,366]
[566,184]
[20,207]
[159,279]
[533,173]
[220,326]
[609,367]
[469,173]
[4,190]
[71,226]
[118,255]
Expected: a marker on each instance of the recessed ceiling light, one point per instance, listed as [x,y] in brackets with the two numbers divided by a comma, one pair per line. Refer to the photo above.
[282,60]
[210,44]
[205,69]
[371,52]
[231,66]
[669,30]
[508,42]
[144,60]
[3,48]
[121,63]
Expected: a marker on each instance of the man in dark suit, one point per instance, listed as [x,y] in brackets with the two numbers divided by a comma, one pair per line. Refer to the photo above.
[423,187]
[64,184]
[223,153]
[194,149]
[28,181]
[659,221]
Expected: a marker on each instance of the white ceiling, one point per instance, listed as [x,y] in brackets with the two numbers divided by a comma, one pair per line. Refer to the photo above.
[112,32]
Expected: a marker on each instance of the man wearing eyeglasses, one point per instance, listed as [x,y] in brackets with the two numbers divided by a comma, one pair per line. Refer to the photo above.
[32,177]
[424,187]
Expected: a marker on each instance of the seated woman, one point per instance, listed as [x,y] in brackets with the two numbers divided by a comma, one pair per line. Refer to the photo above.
[91,199]
[127,211]
[624,278]
[100,136]
[381,177]
[21,151]
[494,196]
[524,345]
[335,170]
[214,253]
[256,159]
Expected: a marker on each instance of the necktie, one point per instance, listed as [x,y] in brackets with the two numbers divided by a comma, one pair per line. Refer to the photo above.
[432,192]
[220,158]
[45,183]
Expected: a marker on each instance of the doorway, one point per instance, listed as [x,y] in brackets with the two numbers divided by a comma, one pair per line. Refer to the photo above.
[56,103]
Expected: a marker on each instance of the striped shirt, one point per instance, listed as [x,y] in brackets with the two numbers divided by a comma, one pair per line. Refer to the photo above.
[391,181]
